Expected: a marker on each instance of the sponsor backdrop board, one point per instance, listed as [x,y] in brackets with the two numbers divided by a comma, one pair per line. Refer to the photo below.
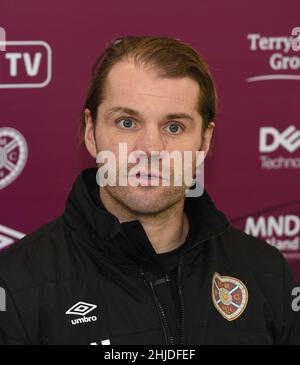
[252,49]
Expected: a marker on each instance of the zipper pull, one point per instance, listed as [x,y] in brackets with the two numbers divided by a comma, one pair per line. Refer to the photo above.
[165,279]
[147,277]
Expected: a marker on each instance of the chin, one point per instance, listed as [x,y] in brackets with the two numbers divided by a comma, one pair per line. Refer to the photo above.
[149,200]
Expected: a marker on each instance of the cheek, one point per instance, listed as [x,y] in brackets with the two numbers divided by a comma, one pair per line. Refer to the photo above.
[196,141]
[110,142]
[104,138]
[191,142]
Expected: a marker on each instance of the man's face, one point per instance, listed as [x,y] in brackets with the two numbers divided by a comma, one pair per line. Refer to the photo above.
[146,126]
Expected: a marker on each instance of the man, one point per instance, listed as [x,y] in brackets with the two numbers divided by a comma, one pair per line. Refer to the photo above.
[145,264]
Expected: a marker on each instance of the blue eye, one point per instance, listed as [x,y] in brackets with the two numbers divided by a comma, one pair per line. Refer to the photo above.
[174,128]
[126,123]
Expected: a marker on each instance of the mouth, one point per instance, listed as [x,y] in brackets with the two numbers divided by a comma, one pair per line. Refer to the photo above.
[144,175]
[149,177]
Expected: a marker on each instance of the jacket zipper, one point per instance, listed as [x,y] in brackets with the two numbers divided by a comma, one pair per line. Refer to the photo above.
[164,320]
[169,340]
[181,302]
[162,315]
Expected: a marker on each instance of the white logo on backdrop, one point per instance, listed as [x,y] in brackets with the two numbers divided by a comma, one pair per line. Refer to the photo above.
[8,236]
[281,231]
[15,59]
[288,139]
[13,155]
[271,139]
[283,59]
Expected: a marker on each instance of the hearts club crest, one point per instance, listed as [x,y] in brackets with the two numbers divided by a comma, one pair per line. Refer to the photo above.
[13,155]
[229,295]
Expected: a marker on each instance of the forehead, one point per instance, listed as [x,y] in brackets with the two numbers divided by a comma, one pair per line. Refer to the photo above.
[129,84]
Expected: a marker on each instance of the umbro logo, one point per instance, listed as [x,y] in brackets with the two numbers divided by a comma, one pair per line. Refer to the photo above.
[82,309]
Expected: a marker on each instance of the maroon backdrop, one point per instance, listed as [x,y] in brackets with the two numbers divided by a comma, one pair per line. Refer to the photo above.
[45,65]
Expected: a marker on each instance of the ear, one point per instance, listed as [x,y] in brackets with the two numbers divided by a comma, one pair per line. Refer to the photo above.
[89,138]
[206,139]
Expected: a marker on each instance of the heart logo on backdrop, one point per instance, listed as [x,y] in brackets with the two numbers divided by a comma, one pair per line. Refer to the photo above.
[13,155]
[230,296]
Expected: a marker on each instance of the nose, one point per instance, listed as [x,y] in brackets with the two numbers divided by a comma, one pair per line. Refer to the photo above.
[150,139]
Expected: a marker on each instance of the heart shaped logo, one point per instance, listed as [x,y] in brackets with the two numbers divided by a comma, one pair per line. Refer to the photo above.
[230,296]
[13,155]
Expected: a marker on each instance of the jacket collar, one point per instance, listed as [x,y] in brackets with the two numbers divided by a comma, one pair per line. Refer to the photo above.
[93,225]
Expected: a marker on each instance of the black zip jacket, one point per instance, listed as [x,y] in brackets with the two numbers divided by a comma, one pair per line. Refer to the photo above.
[84,278]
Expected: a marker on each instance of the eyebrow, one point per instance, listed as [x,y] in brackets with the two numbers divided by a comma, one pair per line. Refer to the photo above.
[136,113]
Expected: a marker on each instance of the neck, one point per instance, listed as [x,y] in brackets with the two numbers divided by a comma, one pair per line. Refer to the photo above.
[166,230]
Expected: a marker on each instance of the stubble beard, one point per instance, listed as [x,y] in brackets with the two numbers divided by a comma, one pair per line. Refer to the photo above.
[146,200]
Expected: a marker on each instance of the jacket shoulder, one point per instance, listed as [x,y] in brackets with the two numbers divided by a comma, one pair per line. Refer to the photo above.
[247,251]
[35,258]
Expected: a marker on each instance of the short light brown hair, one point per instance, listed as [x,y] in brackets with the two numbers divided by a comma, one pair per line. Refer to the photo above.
[170,57]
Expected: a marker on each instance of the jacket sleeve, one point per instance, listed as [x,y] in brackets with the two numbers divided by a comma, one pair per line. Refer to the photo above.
[12,331]
[290,334]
